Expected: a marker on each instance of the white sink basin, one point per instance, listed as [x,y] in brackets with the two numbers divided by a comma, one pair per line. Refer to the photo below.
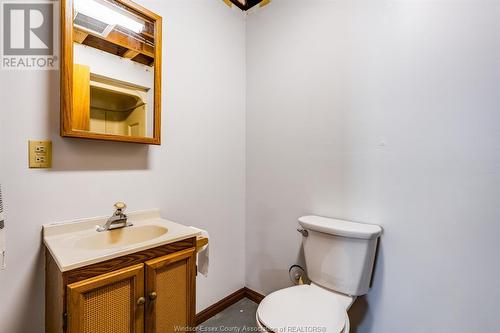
[121,237]
[77,244]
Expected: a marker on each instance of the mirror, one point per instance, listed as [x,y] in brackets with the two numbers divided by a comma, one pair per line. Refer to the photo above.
[111,71]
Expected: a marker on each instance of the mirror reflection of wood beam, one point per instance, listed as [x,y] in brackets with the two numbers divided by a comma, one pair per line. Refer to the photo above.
[118,43]
[129,54]
[79,36]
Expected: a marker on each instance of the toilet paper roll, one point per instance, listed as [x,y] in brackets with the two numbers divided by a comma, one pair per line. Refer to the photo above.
[203,256]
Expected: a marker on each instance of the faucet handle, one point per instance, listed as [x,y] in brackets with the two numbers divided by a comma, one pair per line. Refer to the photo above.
[120,205]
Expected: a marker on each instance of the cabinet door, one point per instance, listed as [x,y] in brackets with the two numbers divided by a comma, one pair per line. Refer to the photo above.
[170,288]
[109,303]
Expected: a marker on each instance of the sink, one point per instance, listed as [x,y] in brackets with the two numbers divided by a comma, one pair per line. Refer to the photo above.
[121,237]
[74,244]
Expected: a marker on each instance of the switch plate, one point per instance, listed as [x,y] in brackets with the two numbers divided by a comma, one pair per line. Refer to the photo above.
[40,154]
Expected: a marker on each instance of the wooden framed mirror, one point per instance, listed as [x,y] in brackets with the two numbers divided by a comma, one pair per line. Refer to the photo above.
[110,71]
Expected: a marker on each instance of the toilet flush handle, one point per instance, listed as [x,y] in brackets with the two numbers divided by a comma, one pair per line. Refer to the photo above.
[304,232]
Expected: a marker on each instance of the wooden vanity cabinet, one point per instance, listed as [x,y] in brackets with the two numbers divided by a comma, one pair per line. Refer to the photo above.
[112,302]
[149,291]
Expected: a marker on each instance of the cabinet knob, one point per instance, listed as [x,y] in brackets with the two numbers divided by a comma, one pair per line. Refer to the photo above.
[141,301]
[153,295]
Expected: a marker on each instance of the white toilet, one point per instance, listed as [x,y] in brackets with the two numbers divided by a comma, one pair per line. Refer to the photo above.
[339,257]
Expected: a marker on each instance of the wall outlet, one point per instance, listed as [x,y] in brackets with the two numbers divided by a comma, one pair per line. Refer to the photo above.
[40,154]
[40,149]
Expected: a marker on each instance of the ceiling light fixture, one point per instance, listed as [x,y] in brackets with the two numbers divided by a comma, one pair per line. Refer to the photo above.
[109,14]
[246,4]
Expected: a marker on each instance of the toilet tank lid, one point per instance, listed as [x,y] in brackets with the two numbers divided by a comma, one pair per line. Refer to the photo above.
[340,227]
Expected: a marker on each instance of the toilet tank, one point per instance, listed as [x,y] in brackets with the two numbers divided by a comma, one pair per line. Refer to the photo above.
[340,254]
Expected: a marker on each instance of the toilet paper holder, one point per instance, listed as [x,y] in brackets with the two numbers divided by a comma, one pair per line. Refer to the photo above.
[2,221]
[2,233]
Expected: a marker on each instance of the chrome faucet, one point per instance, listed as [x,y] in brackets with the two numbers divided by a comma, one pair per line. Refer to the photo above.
[117,220]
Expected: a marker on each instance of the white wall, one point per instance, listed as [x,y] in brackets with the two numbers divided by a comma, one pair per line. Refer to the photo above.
[383,112]
[196,177]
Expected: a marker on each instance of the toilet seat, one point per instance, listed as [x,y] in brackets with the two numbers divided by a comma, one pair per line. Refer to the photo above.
[302,308]
[262,328]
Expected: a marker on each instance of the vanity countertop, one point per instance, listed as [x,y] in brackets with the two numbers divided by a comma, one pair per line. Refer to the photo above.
[77,243]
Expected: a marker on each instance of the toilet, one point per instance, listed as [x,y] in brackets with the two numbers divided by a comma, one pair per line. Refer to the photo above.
[339,256]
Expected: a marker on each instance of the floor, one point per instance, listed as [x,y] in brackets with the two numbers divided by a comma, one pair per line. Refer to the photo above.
[239,317]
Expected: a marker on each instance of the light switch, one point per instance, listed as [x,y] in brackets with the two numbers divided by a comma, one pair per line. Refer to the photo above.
[40,154]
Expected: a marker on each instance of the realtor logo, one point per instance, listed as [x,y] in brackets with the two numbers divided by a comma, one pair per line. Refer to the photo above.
[28,35]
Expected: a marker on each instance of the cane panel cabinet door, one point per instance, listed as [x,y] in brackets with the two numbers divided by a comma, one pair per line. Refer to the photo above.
[170,286]
[109,303]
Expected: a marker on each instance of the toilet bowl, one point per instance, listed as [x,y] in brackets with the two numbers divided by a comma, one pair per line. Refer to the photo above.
[304,308]
[339,256]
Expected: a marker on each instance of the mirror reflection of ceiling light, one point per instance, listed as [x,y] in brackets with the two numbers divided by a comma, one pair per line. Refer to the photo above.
[105,13]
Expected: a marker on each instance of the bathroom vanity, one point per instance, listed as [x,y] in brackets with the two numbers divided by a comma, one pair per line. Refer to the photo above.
[140,278]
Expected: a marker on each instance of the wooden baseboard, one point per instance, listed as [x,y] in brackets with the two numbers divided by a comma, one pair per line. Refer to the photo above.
[221,305]
[253,295]
[227,302]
